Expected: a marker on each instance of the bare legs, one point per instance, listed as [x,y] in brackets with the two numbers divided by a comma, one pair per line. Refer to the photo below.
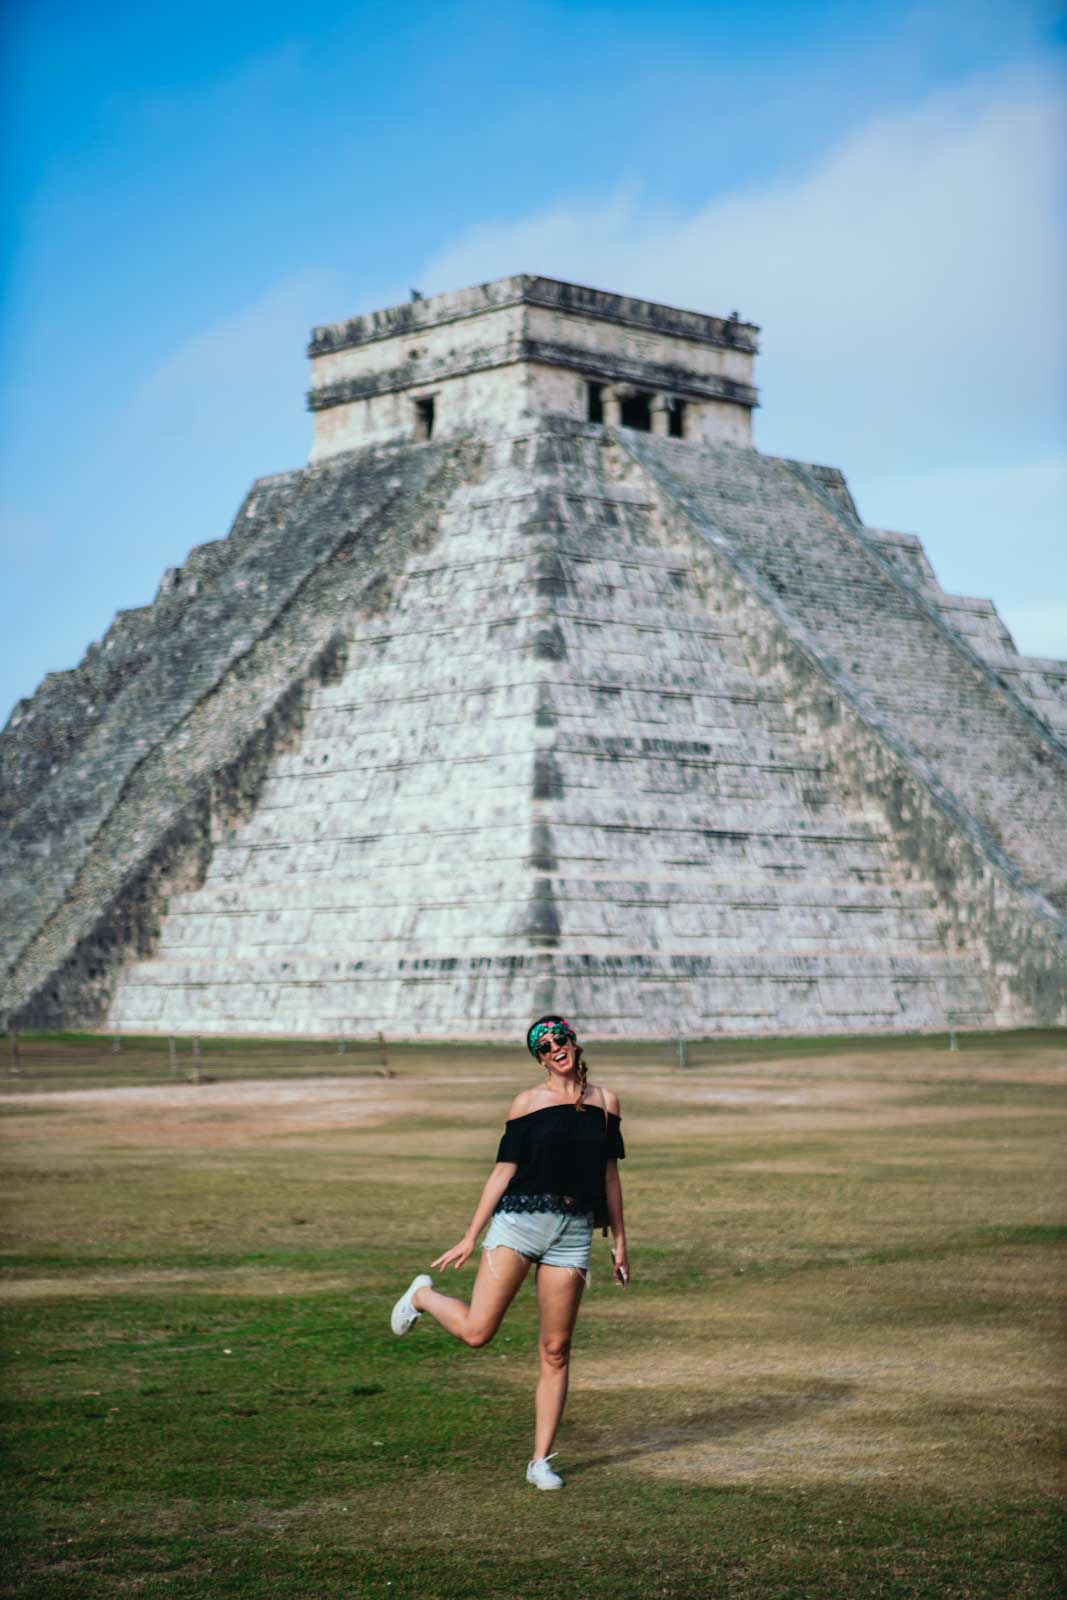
[559,1294]
[495,1288]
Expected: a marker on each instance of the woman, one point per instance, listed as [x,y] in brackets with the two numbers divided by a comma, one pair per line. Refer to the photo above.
[556,1178]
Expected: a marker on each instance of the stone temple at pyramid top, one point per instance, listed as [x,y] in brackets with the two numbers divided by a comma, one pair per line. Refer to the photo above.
[501,353]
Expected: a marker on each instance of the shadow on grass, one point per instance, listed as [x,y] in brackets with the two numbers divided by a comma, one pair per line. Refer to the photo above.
[760,1414]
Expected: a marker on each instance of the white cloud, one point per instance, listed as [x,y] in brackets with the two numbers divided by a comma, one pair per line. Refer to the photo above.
[1013,500]
[995,530]
[240,383]
[909,287]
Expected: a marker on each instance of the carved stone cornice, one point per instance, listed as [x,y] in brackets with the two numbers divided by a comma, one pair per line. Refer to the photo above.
[551,294]
[604,367]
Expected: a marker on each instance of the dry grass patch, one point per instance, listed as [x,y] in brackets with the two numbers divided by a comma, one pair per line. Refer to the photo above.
[837,1370]
[933,1373]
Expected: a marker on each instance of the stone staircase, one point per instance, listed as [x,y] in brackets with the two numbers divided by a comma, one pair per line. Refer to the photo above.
[108,814]
[552,774]
[885,646]
[1041,683]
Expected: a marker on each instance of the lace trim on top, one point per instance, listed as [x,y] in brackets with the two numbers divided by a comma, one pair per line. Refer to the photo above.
[562,1204]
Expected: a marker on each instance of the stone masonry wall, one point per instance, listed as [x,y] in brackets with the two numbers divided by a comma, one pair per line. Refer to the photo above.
[1040,683]
[937,745]
[185,739]
[484,355]
[577,719]
[892,652]
[577,763]
[44,732]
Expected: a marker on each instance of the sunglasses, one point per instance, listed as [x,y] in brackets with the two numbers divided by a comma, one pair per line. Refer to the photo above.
[549,1042]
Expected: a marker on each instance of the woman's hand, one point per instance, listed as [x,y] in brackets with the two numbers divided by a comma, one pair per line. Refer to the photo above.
[457,1256]
[620,1263]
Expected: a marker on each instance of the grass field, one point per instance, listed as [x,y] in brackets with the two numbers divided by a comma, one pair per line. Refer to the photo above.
[838,1370]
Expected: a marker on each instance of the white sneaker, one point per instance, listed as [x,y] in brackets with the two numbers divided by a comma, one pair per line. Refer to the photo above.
[541,1475]
[404,1315]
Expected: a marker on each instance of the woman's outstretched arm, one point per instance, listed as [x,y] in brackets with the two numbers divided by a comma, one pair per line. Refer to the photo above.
[613,1195]
[495,1185]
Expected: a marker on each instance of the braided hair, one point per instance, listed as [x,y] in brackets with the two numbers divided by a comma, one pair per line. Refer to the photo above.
[561,1031]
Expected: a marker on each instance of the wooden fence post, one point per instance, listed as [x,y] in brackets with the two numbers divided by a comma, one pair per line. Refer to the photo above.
[196,1060]
[16,1059]
[384,1055]
[683,1055]
[172,1053]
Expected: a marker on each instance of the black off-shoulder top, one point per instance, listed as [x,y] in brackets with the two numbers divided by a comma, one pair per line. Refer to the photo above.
[561,1155]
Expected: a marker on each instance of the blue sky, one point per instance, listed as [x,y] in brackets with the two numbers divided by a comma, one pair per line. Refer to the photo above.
[189,189]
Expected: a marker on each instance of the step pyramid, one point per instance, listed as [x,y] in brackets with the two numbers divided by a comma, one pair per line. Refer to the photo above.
[537,713]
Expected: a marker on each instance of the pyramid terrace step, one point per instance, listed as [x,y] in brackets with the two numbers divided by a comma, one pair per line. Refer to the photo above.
[756,862]
[517,601]
[399,819]
[609,911]
[401,1023]
[587,854]
[366,706]
[297,934]
[515,679]
[474,559]
[328,966]
[552,496]
[478,564]
[454,640]
[574,853]
[390,808]
[403,890]
[926,691]
[326,768]
[338,734]
[411,1006]
[709,781]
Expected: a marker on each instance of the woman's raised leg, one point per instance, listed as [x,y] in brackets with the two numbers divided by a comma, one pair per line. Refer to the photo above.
[495,1288]
[559,1294]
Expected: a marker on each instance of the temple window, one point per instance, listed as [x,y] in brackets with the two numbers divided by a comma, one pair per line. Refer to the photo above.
[637,412]
[424,410]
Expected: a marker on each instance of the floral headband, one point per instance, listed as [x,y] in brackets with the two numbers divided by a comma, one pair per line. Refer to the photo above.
[561,1032]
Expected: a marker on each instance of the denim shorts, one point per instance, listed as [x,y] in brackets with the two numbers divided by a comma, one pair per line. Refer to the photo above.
[544,1237]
